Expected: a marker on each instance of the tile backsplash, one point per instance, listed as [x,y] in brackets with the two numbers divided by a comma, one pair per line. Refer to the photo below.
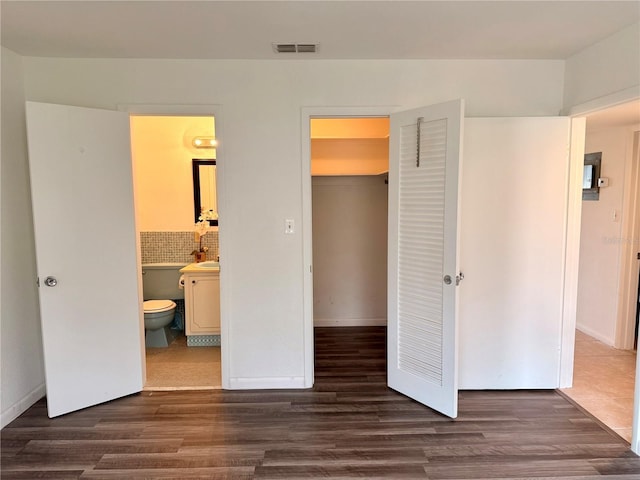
[175,247]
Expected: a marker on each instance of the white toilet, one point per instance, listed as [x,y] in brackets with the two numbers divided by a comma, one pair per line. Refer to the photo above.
[159,289]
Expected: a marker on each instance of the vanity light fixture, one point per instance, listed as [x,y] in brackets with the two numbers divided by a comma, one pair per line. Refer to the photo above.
[205,142]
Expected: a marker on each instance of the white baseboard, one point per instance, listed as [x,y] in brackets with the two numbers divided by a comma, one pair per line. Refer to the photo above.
[349,322]
[596,335]
[500,384]
[22,405]
[268,383]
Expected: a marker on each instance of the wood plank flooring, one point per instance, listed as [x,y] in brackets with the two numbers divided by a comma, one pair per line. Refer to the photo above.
[350,425]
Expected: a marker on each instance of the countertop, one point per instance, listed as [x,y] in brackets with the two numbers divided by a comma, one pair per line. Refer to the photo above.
[194,268]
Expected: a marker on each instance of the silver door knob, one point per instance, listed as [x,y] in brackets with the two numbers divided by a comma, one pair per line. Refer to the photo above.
[50,281]
[447,279]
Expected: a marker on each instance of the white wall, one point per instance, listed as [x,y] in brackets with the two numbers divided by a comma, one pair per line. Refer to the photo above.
[162,155]
[349,250]
[261,102]
[610,67]
[601,237]
[22,375]
[512,246]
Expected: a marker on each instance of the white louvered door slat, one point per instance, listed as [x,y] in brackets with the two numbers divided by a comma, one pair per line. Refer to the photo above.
[423,221]
[420,244]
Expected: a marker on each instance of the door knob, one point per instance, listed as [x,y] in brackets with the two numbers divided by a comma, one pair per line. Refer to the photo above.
[50,281]
[448,280]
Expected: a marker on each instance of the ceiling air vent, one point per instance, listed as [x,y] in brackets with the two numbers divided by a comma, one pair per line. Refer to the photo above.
[284,47]
[295,47]
[307,47]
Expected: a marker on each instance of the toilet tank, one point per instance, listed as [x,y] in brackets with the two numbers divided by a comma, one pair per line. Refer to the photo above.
[160,281]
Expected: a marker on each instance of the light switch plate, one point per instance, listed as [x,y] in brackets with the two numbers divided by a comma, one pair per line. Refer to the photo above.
[289,226]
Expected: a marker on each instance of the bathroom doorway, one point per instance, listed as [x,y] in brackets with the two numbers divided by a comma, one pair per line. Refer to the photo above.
[349,197]
[167,151]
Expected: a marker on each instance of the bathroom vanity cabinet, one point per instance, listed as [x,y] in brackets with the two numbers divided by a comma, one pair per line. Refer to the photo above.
[202,302]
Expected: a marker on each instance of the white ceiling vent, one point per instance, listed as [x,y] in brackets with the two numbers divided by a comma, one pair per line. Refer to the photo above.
[295,47]
[307,47]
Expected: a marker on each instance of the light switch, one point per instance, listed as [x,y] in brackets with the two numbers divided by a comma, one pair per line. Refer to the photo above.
[289,226]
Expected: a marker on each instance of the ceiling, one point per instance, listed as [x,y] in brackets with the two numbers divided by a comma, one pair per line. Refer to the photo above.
[344,29]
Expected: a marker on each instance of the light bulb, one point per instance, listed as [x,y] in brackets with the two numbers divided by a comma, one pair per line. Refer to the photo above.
[204,142]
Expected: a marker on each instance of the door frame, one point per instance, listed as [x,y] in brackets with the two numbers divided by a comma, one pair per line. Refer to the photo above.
[628,280]
[306,114]
[573,219]
[215,111]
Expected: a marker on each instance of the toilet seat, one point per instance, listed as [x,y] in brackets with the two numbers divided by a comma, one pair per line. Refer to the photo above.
[158,306]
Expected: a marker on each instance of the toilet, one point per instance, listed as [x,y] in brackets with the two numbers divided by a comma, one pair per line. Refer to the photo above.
[160,287]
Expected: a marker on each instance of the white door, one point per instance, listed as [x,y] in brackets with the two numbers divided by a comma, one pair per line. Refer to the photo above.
[513,249]
[82,193]
[424,160]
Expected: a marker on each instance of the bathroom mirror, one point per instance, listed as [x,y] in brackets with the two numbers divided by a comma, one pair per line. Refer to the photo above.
[204,188]
[590,175]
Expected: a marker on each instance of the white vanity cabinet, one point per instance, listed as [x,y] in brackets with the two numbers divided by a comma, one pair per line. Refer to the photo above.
[202,302]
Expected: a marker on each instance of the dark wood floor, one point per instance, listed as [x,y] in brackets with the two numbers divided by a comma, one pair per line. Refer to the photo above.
[348,426]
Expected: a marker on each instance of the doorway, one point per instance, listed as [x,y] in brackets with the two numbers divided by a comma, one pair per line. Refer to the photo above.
[424,163]
[349,169]
[349,194]
[170,165]
[110,346]
[605,363]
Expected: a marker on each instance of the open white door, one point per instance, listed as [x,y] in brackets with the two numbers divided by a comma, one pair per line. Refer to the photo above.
[424,160]
[82,193]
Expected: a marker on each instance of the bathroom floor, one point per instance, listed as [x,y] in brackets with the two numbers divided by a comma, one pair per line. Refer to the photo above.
[179,367]
[603,383]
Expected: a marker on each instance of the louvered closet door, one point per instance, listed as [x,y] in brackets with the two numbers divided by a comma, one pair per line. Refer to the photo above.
[424,160]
